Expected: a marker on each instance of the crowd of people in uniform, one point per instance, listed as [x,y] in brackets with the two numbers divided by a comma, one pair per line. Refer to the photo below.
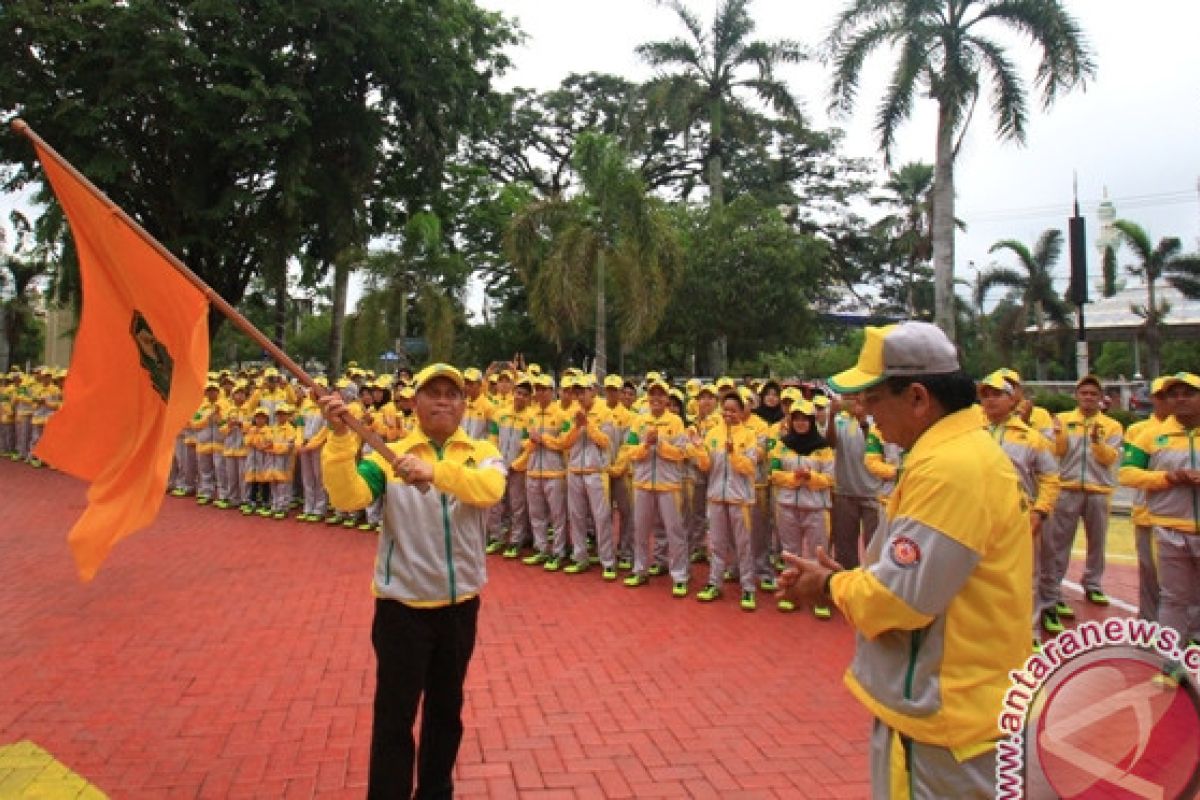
[704,482]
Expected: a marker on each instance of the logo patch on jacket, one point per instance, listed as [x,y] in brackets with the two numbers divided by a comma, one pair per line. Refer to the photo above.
[904,552]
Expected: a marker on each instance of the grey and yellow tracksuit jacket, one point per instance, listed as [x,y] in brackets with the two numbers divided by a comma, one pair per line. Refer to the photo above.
[1082,465]
[1158,450]
[943,601]
[431,549]
[1031,456]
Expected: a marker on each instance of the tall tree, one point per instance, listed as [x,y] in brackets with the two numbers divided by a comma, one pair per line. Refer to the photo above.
[707,77]
[1155,262]
[611,236]
[946,54]
[240,133]
[24,265]
[909,229]
[1034,282]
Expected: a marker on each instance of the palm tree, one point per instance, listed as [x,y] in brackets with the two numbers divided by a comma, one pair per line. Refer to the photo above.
[1156,262]
[707,64]
[1183,272]
[705,84]
[1035,283]
[570,252]
[945,54]
[909,229]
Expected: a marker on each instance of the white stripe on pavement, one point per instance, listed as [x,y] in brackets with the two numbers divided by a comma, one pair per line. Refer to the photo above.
[1112,601]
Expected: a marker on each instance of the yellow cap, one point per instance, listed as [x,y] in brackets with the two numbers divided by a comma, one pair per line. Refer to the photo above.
[745,393]
[438,370]
[820,401]
[568,381]
[804,407]
[791,393]
[1182,377]
[653,376]
[321,381]
[1010,375]
[472,374]
[659,384]
[284,408]
[406,393]
[585,381]
[708,387]
[266,412]
[725,382]
[1159,384]
[693,387]
[997,381]
[613,382]
[270,372]
[212,385]
[533,369]
[342,383]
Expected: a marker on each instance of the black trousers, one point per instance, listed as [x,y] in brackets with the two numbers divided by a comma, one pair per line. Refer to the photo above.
[420,653]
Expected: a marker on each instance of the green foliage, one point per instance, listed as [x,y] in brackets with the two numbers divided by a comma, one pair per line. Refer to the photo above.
[815,363]
[1055,403]
[1116,358]
[241,134]
[749,277]
[610,239]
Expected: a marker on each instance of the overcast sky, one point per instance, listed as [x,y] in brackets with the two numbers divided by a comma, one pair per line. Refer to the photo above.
[1135,131]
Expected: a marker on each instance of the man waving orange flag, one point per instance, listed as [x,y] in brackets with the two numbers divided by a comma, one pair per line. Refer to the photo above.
[137,370]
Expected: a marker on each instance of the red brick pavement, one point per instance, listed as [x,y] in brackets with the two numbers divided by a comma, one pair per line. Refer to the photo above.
[219,656]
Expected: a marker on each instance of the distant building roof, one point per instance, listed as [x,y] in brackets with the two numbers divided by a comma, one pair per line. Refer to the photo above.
[1112,318]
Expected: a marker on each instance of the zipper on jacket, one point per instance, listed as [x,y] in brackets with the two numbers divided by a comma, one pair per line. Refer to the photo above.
[387,570]
[449,541]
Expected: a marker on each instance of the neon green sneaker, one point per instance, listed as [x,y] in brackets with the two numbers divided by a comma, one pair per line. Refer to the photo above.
[576,567]
[786,606]
[655,570]
[512,551]
[1050,621]
[624,564]
[552,564]
[534,560]
[493,547]
[609,574]
[748,602]
[822,612]
[1064,610]
[1097,597]
[709,593]
[768,585]
[679,590]
[636,580]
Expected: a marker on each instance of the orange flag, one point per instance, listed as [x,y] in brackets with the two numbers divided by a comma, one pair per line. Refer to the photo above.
[137,372]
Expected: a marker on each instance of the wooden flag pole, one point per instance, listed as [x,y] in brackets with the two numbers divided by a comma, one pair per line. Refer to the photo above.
[367,435]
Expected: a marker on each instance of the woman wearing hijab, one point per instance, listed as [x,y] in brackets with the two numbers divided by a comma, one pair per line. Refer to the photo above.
[769,409]
[802,474]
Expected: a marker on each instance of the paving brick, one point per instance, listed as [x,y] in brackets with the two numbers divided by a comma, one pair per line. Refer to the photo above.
[230,657]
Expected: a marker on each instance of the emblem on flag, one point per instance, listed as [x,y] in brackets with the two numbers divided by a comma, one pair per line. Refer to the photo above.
[153,354]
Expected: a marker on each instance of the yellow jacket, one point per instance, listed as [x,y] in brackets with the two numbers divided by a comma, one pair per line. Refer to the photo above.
[1033,459]
[1082,464]
[546,460]
[657,467]
[1157,451]
[933,653]
[430,551]
[1138,514]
